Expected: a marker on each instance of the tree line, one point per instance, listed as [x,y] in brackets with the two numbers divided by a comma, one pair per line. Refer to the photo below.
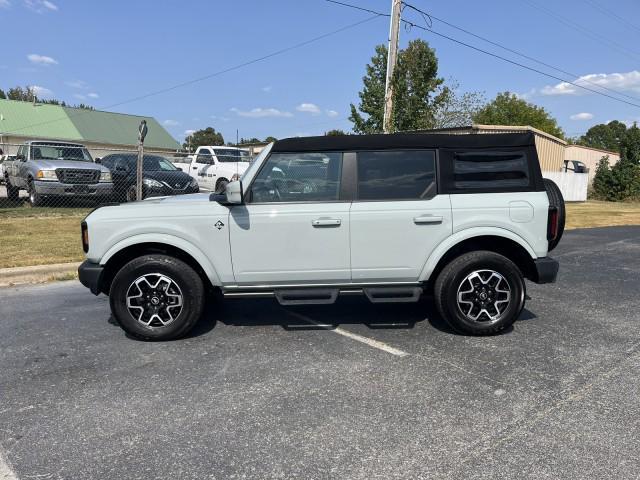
[28,94]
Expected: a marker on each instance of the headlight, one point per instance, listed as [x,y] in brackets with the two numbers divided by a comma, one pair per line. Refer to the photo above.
[105,177]
[150,182]
[193,183]
[46,175]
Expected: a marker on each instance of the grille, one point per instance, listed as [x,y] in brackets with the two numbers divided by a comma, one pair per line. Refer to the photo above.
[78,176]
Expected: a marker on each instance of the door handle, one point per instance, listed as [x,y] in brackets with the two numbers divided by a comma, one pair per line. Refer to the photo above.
[194,168]
[427,220]
[326,222]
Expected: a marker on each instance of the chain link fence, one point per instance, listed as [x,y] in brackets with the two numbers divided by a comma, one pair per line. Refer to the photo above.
[64,175]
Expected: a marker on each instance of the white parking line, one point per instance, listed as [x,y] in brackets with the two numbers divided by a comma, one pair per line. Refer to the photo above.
[6,472]
[353,336]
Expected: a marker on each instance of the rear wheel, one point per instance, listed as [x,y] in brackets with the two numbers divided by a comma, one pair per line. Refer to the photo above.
[157,297]
[13,193]
[480,293]
[556,200]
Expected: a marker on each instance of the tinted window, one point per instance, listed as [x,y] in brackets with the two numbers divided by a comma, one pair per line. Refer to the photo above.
[108,162]
[477,170]
[396,174]
[205,156]
[298,177]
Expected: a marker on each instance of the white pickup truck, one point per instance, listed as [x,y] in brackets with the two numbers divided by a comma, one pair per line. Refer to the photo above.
[215,166]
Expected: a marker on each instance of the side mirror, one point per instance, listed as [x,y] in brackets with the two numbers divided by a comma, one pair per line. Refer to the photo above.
[179,168]
[235,193]
[98,160]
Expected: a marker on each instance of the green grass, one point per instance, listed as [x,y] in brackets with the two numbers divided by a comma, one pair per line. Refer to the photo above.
[594,213]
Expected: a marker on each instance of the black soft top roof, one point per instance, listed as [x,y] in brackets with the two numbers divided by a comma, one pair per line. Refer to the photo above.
[403,140]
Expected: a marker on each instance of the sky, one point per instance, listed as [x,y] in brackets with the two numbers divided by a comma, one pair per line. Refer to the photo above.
[168,59]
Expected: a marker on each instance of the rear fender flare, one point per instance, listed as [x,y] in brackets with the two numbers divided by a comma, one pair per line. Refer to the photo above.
[442,249]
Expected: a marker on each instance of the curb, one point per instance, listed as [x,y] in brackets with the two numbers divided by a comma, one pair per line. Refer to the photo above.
[36,273]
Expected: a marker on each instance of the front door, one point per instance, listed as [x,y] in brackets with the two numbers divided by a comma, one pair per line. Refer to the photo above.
[294,226]
[397,217]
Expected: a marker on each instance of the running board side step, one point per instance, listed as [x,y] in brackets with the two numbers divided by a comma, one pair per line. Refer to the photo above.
[393,294]
[324,295]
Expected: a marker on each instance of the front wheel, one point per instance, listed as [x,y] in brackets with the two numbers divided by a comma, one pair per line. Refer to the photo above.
[13,193]
[35,199]
[480,293]
[156,297]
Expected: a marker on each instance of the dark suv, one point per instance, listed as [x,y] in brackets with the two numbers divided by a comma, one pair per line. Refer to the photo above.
[160,177]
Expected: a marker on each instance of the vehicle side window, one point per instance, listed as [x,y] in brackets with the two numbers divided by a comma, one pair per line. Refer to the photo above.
[205,156]
[396,175]
[298,177]
[107,162]
[490,169]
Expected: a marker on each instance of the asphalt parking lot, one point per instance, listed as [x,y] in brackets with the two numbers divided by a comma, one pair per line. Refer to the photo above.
[261,392]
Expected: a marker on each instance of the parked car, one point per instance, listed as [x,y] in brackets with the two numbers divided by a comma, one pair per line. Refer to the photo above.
[464,217]
[213,167]
[160,177]
[56,170]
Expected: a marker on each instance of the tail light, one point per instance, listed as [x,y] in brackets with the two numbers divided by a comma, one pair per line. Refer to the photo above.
[85,236]
[552,224]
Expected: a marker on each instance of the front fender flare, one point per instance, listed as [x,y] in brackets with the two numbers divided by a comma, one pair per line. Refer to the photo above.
[166,239]
[441,250]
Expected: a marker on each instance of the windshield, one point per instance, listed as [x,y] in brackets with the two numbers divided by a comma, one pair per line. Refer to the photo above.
[60,152]
[152,163]
[231,155]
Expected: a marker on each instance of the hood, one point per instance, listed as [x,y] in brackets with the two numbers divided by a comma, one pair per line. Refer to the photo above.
[53,164]
[176,179]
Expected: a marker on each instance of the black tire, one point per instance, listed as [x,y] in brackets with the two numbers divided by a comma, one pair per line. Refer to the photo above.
[221,185]
[35,199]
[165,322]
[132,194]
[455,277]
[13,193]
[556,200]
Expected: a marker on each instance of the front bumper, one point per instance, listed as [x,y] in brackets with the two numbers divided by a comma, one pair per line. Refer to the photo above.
[90,275]
[65,189]
[546,270]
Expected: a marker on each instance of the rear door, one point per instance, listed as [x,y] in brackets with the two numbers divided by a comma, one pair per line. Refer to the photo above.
[203,169]
[294,225]
[397,217]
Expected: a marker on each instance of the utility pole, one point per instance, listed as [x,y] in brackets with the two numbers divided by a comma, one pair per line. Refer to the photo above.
[392,58]
[142,132]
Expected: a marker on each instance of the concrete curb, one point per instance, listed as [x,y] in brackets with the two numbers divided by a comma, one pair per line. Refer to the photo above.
[36,273]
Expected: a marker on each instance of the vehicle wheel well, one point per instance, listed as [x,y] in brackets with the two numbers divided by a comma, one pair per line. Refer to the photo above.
[501,245]
[127,254]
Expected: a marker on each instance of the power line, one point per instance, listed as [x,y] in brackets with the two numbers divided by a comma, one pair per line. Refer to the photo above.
[611,14]
[500,57]
[209,76]
[523,55]
[585,31]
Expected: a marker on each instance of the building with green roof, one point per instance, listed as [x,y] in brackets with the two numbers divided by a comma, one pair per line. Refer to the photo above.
[101,132]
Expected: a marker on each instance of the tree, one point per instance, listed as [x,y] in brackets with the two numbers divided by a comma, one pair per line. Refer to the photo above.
[508,109]
[270,139]
[606,136]
[457,109]
[417,91]
[207,136]
[622,181]
[2,94]
[25,94]
[335,132]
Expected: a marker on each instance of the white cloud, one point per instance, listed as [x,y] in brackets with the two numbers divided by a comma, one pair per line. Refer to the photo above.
[41,91]
[189,132]
[582,116]
[331,113]
[311,108]
[41,59]
[261,112]
[5,4]
[629,81]
[267,88]
[41,6]
[170,123]
[93,95]
[80,84]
